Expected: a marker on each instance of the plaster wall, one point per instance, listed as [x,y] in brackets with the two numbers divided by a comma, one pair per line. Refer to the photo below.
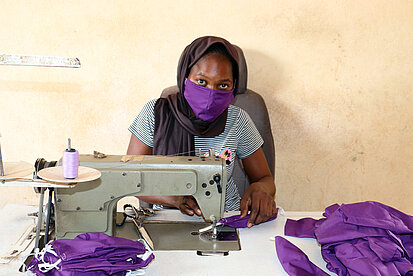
[337,77]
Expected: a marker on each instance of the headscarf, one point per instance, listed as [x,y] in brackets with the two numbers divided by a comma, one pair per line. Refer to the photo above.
[175,125]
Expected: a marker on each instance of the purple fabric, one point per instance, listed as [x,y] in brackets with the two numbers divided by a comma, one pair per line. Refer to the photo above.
[302,228]
[365,238]
[93,254]
[238,222]
[206,103]
[294,261]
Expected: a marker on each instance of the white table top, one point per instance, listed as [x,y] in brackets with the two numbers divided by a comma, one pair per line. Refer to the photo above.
[257,256]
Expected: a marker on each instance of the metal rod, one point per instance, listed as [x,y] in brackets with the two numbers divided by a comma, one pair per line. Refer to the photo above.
[48,216]
[214,228]
[39,219]
[1,164]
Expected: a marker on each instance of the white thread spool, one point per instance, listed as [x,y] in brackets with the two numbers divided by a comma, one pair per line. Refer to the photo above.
[70,162]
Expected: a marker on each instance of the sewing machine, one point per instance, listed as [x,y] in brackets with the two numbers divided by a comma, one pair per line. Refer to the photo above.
[91,206]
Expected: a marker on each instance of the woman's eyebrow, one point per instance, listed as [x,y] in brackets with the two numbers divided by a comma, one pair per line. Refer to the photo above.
[224,80]
[202,75]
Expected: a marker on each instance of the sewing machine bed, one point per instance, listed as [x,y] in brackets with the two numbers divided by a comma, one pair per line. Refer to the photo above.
[183,236]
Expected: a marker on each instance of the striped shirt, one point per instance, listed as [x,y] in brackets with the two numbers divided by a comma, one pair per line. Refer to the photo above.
[240,138]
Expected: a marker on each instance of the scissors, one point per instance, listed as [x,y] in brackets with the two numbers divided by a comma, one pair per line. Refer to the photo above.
[138,217]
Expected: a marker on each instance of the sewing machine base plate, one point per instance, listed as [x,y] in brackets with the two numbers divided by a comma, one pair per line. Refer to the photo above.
[184,236]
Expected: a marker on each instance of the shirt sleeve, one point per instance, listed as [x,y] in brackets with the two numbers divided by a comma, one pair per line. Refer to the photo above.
[143,125]
[249,138]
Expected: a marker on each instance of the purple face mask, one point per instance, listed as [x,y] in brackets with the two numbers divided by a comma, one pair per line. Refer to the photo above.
[207,103]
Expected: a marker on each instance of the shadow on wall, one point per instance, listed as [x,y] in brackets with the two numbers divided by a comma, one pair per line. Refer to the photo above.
[300,156]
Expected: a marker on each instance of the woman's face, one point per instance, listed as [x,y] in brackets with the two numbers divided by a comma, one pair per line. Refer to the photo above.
[213,71]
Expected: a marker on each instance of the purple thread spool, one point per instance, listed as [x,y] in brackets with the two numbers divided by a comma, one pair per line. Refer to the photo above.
[70,162]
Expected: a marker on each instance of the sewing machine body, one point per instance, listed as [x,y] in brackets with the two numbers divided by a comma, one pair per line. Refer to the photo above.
[91,206]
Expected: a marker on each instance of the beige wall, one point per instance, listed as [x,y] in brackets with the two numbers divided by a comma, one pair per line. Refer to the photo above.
[337,77]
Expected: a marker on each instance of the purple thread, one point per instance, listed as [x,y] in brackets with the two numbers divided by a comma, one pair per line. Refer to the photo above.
[70,164]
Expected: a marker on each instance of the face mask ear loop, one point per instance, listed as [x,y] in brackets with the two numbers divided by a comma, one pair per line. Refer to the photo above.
[25,267]
[44,266]
[144,256]
[36,254]
[138,272]
[148,250]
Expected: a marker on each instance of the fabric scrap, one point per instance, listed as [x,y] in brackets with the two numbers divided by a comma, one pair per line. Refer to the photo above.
[294,261]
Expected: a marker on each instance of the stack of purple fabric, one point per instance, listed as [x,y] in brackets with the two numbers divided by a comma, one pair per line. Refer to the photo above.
[365,238]
[90,254]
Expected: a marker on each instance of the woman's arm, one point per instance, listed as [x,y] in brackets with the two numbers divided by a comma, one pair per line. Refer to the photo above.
[259,197]
[136,147]
[186,204]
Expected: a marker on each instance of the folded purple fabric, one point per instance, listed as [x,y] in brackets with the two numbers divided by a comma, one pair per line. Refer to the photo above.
[302,228]
[365,238]
[294,261]
[238,222]
[90,254]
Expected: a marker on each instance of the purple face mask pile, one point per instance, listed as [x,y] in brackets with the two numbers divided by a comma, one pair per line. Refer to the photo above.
[365,238]
[90,254]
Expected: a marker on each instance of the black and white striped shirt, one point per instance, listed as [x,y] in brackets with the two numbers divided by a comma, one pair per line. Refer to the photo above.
[240,138]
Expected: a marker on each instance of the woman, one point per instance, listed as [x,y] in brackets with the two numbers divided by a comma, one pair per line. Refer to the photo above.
[200,117]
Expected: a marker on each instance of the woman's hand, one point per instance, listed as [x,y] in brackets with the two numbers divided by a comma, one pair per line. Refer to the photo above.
[188,205]
[260,203]
[259,197]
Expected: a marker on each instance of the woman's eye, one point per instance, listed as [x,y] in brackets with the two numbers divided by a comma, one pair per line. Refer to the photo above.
[201,82]
[223,86]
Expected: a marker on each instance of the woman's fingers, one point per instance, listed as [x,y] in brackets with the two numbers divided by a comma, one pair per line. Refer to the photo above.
[189,206]
[191,203]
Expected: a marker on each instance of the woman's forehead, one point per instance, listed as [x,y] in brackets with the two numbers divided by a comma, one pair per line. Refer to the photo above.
[213,63]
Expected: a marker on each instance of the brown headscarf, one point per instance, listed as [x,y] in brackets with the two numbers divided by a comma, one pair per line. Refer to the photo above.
[175,125]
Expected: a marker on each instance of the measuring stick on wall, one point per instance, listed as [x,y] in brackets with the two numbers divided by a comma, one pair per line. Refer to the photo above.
[46,61]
